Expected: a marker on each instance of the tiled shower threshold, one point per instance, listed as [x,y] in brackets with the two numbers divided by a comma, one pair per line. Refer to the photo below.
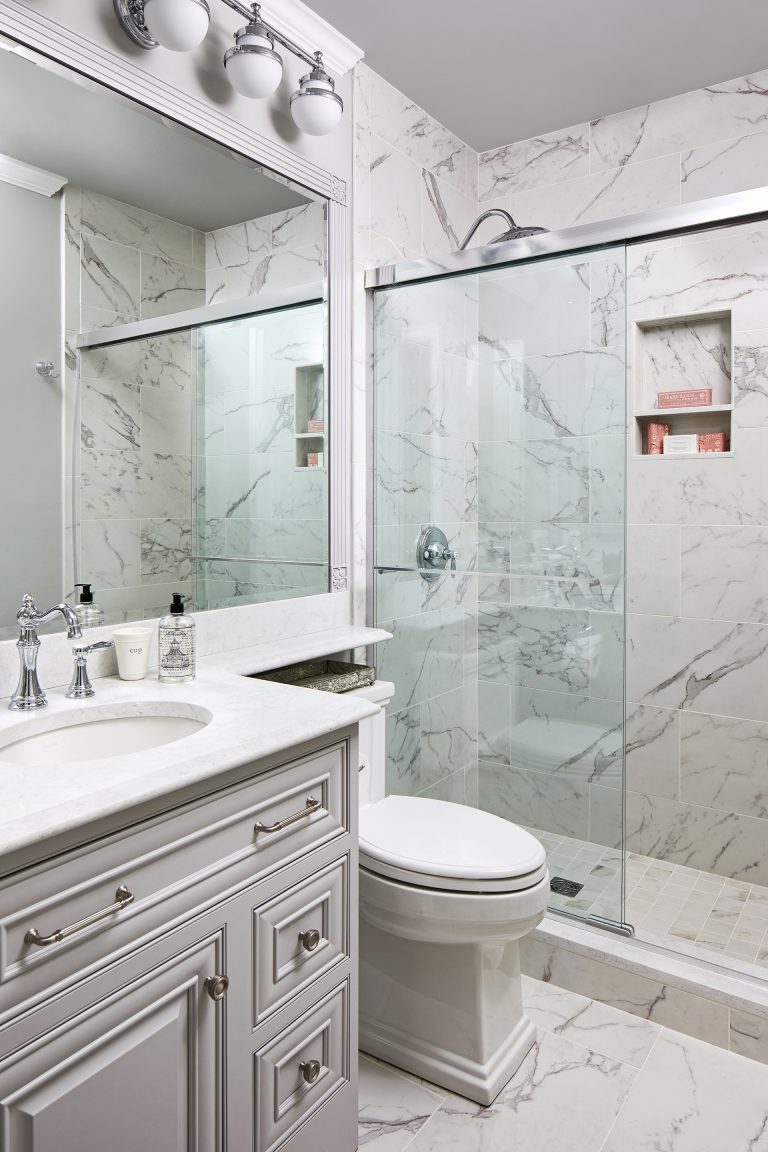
[695,913]
[697,962]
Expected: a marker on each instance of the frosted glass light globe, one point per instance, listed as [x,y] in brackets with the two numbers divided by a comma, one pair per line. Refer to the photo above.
[253,67]
[179,25]
[315,107]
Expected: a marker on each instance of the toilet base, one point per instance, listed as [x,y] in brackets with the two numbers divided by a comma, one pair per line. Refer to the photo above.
[479,1082]
[452,1013]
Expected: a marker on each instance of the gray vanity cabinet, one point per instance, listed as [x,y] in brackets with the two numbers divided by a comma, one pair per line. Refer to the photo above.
[138,1065]
[120,1038]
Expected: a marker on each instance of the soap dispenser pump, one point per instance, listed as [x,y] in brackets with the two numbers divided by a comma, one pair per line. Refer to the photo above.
[176,644]
[89,613]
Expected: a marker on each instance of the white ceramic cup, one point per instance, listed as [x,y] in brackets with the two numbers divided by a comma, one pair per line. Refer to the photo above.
[132,650]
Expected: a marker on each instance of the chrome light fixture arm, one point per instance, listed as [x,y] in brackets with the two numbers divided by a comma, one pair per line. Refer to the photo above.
[29,694]
[252,13]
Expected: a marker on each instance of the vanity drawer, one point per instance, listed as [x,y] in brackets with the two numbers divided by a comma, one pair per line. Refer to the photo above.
[172,866]
[300,1070]
[299,936]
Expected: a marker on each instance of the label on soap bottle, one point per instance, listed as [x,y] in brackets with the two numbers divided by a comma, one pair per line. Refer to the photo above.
[177,651]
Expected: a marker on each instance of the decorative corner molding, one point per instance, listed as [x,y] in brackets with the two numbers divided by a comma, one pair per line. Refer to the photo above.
[302,24]
[338,190]
[339,580]
[33,179]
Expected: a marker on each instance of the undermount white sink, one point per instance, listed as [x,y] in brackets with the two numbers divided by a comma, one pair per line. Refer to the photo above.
[61,740]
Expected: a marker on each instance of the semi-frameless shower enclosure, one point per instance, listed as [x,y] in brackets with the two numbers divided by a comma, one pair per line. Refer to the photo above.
[512,387]
[498,551]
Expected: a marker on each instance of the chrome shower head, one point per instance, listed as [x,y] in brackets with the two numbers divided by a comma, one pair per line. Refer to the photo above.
[517,233]
[514,231]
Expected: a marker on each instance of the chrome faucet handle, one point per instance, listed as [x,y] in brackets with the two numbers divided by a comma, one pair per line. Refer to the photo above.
[80,687]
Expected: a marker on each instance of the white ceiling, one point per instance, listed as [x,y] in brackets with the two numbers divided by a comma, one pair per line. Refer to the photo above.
[503,70]
[101,141]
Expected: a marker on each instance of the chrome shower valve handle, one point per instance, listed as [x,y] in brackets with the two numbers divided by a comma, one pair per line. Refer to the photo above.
[433,553]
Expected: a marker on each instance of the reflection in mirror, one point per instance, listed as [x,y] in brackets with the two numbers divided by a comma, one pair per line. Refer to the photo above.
[163,407]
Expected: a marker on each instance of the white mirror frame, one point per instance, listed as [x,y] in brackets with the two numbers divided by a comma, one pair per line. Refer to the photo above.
[120,75]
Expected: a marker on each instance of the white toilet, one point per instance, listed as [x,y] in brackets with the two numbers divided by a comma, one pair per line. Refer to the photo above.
[446,893]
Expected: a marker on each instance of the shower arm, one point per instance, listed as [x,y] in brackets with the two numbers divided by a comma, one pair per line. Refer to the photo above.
[502,212]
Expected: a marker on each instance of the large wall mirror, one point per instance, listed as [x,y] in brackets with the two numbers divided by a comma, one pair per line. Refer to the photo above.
[164,399]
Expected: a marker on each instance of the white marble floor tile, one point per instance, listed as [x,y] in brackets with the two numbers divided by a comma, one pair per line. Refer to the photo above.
[693,1097]
[392,1108]
[564,1098]
[596,1026]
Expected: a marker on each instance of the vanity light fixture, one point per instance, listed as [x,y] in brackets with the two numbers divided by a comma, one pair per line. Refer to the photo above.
[254,68]
[179,25]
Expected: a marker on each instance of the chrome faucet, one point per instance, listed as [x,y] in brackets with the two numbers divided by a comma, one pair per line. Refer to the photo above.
[28,692]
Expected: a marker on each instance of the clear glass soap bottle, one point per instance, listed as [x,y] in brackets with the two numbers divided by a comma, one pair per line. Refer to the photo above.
[176,645]
[89,613]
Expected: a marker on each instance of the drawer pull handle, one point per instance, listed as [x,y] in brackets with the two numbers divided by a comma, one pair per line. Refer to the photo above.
[122,899]
[310,1070]
[309,939]
[311,805]
[216,986]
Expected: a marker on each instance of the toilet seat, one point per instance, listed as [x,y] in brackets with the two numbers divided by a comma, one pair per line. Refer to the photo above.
[439,845]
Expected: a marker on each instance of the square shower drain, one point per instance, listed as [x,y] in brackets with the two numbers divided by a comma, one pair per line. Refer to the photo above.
[565,887]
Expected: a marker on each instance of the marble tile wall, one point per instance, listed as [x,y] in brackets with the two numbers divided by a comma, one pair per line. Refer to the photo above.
[283,250]
[697,553]
[251,497]
[415,192]
[132,463]
[135,458]
[697,529]
[425,460]
[135,502]
[548,592]
[704,143]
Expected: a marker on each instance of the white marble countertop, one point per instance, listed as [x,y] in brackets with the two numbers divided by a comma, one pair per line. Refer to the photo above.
[250,720]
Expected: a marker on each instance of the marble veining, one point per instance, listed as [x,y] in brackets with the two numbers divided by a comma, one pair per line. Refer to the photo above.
[750,382]
[528,1113]
[694,119]
[545,159]
[690,1097]
[621,1082]
[725,573]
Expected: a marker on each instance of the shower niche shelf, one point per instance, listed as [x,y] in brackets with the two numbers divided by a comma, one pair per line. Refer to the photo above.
[308,407]
[680,354]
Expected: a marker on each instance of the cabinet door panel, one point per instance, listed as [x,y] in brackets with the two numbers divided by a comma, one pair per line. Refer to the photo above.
[140,1069]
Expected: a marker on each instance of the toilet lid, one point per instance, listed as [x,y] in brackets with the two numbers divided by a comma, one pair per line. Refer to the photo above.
[435,844]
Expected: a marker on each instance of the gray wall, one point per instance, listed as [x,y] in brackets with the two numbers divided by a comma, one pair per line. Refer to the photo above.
[30,407]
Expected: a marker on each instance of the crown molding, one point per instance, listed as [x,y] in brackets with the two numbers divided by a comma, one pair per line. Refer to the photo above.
[300,23]
[27,176]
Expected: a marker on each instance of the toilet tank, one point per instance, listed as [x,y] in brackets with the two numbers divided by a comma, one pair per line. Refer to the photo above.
[373,753]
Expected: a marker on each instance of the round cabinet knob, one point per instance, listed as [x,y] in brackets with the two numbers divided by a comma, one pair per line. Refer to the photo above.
[310,939]
[310,1070]
[216,987]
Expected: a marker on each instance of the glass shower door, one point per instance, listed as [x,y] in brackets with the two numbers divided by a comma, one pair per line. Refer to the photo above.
[551,499]
[500,417]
